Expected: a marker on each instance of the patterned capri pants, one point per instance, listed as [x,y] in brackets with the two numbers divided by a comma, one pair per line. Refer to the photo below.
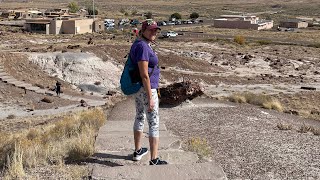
[142,113]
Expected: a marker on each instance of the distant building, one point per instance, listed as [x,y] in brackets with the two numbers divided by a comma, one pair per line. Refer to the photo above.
[62,25]
[21,14]
[242,22]
[293,23]
[98,26]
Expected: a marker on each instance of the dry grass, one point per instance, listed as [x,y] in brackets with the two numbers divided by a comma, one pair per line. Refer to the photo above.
[200,146]
[284,127]
[70,139]
[15,164]
[237,98]
[304,129]
[264,101]
[239,40]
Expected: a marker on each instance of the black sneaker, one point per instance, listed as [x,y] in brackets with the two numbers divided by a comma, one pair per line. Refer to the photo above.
[137,155]
[157,161]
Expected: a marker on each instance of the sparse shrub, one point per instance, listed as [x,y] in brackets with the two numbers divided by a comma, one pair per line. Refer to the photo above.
[304,129]
[285,127]
[239,40]
[200,146]
[237,98]
[273,104]
[264,101]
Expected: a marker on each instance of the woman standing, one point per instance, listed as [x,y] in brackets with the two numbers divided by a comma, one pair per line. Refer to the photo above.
[147,104]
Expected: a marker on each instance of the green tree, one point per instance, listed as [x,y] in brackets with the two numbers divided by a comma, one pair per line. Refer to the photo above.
[194,15]
[149,15]
[73,7]
[90,11]
[176,15]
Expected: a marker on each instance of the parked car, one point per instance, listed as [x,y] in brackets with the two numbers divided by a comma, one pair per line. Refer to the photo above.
[162,23]
[109,22]
[134,22]
[123,22]
[169,34]
[177,22]
[170,23]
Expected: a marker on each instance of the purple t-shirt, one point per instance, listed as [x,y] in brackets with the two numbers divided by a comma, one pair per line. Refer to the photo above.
[141,51]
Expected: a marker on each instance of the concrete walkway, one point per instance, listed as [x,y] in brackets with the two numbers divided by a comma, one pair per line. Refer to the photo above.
[114,147]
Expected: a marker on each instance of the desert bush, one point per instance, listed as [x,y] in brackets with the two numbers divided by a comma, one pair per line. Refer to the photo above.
[176,15]
[285,127]
[264,101]
[82,147]
[200,146]
[237,98]
[304,128]
[273,104]
[33,134]
[73,7]
[239,40]
[194,15]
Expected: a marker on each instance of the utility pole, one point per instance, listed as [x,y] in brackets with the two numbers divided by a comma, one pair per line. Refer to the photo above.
[93,11]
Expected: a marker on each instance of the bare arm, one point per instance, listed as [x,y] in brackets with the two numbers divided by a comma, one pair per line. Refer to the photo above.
[143,69]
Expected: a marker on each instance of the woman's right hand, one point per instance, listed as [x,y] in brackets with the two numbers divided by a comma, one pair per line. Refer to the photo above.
[151,105]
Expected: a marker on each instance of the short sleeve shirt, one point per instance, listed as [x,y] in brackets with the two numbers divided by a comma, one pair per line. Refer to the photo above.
[141,51]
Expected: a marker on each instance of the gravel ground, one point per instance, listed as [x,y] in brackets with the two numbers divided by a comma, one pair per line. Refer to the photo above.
[246,141]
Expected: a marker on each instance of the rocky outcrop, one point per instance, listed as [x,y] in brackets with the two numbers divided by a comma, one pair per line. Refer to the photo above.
[176,93]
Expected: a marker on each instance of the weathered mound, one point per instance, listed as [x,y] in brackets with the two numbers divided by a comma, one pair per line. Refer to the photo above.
[176,93]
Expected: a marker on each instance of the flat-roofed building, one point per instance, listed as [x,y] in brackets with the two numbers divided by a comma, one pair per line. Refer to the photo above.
[59,25]
[242,22]
[293,23]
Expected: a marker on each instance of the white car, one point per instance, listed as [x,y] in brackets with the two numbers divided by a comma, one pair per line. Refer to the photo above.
[169,34]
